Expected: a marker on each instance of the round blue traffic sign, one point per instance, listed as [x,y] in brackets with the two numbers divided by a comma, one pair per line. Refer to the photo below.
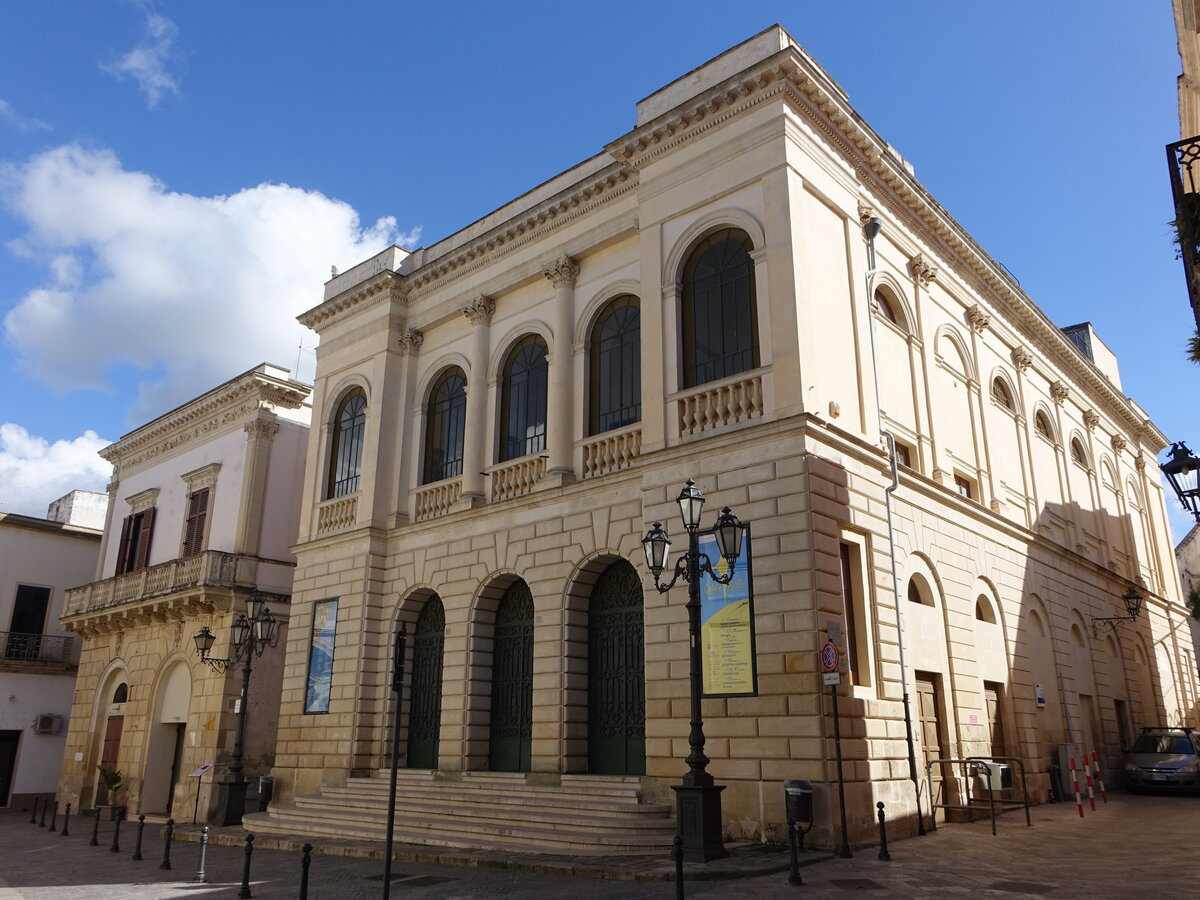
[829,656]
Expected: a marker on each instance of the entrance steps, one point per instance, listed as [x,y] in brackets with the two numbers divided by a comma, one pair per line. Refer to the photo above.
[585,815]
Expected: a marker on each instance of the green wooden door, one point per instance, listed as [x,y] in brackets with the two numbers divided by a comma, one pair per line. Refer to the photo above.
[616,674]
[425,707]
[511,730]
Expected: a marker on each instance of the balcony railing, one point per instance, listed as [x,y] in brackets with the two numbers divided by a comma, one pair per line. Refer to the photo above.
[336,514]
[212,568]
[517,478]
[720,404]
[437,499]
[37,648]
[1183,162]
[611,452]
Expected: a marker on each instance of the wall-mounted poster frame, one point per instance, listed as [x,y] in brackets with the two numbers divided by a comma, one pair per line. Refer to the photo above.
[728,660]
[320,656]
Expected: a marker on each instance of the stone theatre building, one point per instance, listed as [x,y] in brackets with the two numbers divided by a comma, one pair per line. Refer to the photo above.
[501,416]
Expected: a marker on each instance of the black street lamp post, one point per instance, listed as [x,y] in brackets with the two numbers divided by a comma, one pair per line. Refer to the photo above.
[1133,605]
[251,633]
[698,799]
[1183,471]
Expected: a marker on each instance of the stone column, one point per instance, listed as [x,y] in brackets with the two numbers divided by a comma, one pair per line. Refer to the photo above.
[475,443]
[260,434]
[409,432]
[560,399]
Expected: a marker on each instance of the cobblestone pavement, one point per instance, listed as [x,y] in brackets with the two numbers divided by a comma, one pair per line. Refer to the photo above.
[1132,847]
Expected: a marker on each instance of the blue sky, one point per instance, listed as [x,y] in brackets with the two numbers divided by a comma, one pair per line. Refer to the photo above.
[177,177]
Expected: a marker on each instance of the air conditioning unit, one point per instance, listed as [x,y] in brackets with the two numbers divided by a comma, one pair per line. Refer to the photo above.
[47,723]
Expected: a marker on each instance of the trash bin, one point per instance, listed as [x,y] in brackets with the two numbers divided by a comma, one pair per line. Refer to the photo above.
[266,784]
[798,797]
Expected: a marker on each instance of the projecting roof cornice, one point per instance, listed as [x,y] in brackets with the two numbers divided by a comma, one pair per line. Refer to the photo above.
[423,273]
[235,401]
[790,73]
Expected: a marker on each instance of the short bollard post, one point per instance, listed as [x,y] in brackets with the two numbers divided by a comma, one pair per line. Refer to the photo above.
[54,817]
[45,806]
[883,850]
[677,852]
[245,891]
[33,818]
[137,847]
[200,876]
[166,860]
[66,819]
[95,841]
[794,877]
[305,862]
[116,845]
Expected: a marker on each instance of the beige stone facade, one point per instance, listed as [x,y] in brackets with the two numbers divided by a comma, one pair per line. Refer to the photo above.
[202,512]
[1028,497]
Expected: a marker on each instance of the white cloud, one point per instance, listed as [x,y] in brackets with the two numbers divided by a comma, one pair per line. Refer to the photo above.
[151,61]
[35,472]
[192,290]
[18,121]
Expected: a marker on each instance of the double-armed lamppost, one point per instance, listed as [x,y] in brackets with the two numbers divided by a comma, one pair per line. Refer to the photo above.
[1133,605]
[698,799]
[251,633]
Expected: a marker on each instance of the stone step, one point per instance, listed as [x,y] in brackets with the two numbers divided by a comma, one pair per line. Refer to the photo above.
[474,798]
[512,835]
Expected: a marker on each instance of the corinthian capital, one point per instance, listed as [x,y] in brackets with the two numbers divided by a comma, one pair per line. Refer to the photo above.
[1059,392]
[977,318]
[923,271]
[480,310]
[1021,358]
[1090,419]
[562,272]
[409,340]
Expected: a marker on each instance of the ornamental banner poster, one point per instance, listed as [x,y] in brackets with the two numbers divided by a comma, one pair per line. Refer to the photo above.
[727,625]
[320,656]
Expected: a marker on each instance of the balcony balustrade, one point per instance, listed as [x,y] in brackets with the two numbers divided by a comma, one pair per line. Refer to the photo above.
[53,649]
[721,403]
[212,568]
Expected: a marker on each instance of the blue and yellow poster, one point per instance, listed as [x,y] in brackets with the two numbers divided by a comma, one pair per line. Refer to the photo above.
[320,656]
[727,658]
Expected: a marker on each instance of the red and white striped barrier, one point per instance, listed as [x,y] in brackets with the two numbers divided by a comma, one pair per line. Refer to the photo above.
[1075,780]
[1099,776]
[1087,771]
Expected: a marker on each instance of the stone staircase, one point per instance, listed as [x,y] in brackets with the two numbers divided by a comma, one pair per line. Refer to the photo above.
[587,815]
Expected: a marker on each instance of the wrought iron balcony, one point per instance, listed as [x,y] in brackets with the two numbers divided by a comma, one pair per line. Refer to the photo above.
[37,648]
[212,568]
[1183,161]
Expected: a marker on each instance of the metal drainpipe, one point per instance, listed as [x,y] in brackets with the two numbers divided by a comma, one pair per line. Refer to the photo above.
[873,228]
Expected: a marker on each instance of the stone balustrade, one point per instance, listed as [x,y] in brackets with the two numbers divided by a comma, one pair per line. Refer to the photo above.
[517,478]
[336,514]
[212,568]
[437,499]
[611,451]
[719,404]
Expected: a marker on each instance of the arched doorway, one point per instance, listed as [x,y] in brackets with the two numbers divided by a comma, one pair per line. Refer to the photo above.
[510,733]
[164,753]
[425,705]
[616,674]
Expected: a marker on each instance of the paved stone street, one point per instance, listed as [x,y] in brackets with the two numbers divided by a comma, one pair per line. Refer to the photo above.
[1131,847]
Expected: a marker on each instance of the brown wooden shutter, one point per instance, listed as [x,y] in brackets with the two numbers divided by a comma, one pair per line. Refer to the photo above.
[123,550]
[143,538]
[193,539]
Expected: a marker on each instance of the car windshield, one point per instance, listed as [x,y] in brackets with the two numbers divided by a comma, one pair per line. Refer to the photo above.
[1163,743]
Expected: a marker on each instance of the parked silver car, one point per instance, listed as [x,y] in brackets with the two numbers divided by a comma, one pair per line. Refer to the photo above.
[1164,759]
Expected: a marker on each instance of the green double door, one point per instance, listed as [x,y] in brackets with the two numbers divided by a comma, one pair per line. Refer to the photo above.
[511,732]
[425,710]
[616,674]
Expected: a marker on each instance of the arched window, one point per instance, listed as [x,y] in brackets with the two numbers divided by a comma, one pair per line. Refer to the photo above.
[918,591]
[523,399]
[983,610]
[720,327]
[121,694]
[1001,393]
[345,449]
[1078,454]
[889,306]
[445,421]
[1041,425]
[615,383]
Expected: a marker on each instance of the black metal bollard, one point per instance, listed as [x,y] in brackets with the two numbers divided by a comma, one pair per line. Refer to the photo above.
[677,852]
[116,845]
[137,847]
[66,819]
[305,862]
[794,877]
[33,818]
[883,850]
[45,806]
[201,875]
[245,891]
[54,817]
[95,829]
[166,861]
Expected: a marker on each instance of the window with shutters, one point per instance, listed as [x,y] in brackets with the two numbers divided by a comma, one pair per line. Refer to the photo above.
[195,522]
[136,532]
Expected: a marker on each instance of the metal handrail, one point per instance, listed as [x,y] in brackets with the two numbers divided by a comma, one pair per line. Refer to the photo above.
[966,777]
[47,648]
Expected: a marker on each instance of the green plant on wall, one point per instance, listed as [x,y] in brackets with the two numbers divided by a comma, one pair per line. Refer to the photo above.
[112,782]
[1193,601]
